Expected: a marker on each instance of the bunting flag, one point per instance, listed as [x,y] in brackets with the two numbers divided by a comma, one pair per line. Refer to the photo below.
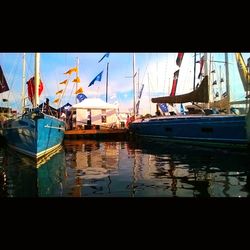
[70,71]
[201,66]
[179,59]
[79,91]
[175,80]
[64,82]
[56,100]
[97,78]
[182,109]
[106,55]
[59,92]
[31,88]
[77,80]
[81,97]
[163,107]
[140,93]
[3,83]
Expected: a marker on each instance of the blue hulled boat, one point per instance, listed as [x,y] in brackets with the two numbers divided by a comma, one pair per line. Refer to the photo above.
[35,133]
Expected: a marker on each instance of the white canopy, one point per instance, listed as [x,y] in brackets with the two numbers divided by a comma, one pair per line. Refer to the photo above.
[93,103]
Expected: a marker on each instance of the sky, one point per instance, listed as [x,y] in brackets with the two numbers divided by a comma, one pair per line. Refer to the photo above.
[154,70]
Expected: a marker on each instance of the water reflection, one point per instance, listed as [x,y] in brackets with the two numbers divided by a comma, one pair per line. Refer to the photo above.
[24,177]
[89,168]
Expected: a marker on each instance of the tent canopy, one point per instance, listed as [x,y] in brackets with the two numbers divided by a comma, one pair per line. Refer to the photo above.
[93,103]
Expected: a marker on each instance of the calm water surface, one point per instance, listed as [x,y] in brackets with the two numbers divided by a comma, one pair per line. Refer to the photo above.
[89,168]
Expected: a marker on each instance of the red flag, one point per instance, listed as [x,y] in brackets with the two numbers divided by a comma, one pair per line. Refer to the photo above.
[175,80]
[31,88]
[201,66]
[3,83]
[179,59]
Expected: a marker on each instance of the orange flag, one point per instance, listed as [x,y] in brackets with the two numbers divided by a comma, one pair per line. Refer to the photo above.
[70,71]
[59,92]
[64,82]
[56,100]
[79,91]
[77,79]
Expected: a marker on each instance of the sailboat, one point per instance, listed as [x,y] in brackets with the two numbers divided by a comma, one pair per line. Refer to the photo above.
[214,129]
[35,133]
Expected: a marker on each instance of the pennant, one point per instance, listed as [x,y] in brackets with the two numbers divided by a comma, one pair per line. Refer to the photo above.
[140,93]
[64,82]
[175,80]
[79,91]
[56,100]
[59,92]
[182,109]
[77,80]
[81,97]
[97,78]
[179,59]
[3,83]
[70,71]
[106,55]
[201,66]
[31,88]
[163,107]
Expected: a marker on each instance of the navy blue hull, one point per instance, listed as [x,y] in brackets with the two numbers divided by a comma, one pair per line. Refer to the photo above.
[227,129]
[35,135]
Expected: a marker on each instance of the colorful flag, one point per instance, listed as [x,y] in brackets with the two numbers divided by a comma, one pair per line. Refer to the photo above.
[59,92]
[163,107]
[64,82]
[175,80]
[79,91]
[3,83]
[77,79]
[97,78]
[106,55]
[179,59]
[31,88]
[182,109]
[70,71]
[201,66]
[56,100]
[81,97]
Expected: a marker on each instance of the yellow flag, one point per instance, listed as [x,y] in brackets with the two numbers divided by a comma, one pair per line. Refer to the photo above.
[64,82]
[79,91]
[70,71]
[56,100]
[59,92]
[77,79]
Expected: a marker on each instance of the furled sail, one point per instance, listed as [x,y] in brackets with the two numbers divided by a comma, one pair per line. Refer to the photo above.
[244,75]
[200,94]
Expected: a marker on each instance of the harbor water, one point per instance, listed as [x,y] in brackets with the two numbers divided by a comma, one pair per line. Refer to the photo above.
[90,168]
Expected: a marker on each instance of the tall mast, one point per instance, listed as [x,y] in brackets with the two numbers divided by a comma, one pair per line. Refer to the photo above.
[134,83]
[107,77]
[194,71]
[37,79]
[227,80]
[23,83]
[77,73]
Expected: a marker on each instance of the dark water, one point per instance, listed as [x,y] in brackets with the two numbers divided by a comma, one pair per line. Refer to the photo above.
[89,168]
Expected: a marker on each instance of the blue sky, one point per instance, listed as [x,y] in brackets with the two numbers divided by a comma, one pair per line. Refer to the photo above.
[155,72]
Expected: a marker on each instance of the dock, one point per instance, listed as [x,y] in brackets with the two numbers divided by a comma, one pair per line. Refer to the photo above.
[112,133]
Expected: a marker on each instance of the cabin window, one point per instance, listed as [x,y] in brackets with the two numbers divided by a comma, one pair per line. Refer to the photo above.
[104,116]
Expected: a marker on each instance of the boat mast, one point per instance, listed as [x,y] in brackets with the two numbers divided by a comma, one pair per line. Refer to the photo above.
[37,79]
[107,77]
[134,84]
[23,83]
[194,70]
[227,81]
[77,73]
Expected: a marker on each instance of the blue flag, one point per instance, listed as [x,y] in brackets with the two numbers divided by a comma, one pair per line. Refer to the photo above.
[163,107]
[97,78]
[81,97]
[106,55]
[182,109]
